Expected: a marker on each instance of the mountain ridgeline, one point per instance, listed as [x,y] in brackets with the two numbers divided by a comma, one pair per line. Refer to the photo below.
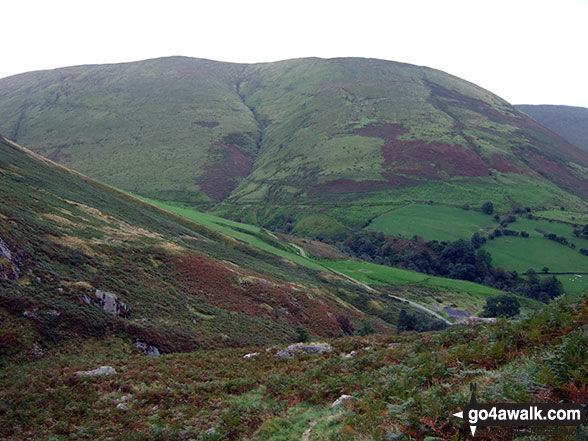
[306,136]
[567,121]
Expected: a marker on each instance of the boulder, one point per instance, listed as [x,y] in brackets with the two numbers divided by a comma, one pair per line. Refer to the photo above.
[311,348]
[147,348]
[285,354]
[341,400]
[111,304]
[37,351]
[251,355]
[5,251]
[98,372]
[308,348]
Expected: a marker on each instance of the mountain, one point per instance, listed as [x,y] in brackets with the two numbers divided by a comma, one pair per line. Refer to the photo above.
[330,143]
[568,122]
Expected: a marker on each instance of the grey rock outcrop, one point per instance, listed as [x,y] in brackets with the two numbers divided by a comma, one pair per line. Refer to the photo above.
[98,372]
[308,348]
[110,303]
[147,348]
[4,251]
[339,401]
[285,354]
[311,348]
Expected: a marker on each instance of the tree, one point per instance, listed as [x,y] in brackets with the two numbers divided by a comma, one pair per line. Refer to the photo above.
[488,207]
[501,306]
[365,329]
[301,334]
[345,325]
[406,321]
[477,241]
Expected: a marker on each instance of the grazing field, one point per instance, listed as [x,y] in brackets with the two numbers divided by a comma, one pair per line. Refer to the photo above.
[537,228]
[432,222]
[574,283]
[520,254]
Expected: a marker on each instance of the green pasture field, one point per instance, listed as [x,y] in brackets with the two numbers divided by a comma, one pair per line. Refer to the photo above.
[521,254]
[432,222]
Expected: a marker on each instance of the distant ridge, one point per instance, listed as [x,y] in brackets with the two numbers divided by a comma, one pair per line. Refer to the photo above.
[567,121]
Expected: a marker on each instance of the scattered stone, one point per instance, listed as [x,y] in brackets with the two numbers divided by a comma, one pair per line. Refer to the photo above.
[101,371]
[4,251]
[307,432]
[121,406]
[13,273]
[367,348]
[393,345]
[476,320]
[34,314]
[242,283]
[38,279]
[60,290]
[147,348]
[341,400]
[124,398]
[350,355]
[86,299]
[211,431]
[285,354]
[37,351]
[253,354]
[111,304]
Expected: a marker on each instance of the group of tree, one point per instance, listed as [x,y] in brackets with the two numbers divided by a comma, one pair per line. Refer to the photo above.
[503,305]
[460,259]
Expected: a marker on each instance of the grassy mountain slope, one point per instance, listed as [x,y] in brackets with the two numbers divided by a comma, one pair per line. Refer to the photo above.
[344,126]
[153,127]
[64,236]
[569,122]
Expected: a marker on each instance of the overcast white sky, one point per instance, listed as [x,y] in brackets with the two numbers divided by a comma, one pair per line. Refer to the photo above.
[526,51]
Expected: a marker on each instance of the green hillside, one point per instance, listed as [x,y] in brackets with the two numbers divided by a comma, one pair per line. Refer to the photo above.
[66,240]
